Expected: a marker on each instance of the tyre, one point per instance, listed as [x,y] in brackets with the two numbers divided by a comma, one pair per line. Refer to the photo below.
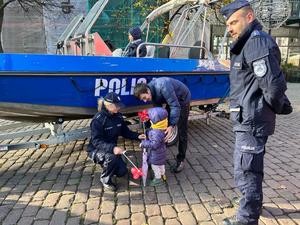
[174,137]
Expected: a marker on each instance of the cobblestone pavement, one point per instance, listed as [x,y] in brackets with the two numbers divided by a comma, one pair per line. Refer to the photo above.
[59,185]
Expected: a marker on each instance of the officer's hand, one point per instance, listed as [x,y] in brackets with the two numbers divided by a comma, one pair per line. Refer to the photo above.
[142,136]
[118,150]
[168,133]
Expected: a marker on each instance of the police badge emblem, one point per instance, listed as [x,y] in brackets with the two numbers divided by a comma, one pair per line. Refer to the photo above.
[260,68]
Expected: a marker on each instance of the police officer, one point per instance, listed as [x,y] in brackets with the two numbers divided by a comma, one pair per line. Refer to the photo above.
[257,94]
[106,126]
[176,95]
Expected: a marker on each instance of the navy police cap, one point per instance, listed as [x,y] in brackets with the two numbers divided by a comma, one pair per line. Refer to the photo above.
[231,8]
[112,97]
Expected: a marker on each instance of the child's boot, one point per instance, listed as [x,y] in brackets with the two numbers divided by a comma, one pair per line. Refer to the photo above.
[156,182]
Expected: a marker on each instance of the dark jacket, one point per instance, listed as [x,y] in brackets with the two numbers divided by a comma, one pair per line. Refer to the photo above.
[132,48]
[257,84]
[172,92]
[155,144]
[105,130]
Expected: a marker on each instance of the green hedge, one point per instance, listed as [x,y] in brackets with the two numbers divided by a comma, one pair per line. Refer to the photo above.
[292,73]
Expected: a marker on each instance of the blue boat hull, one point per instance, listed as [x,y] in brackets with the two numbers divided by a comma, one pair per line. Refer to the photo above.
[48,87]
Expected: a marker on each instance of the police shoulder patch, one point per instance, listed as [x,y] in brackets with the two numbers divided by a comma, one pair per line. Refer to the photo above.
[255,33]
[260,68]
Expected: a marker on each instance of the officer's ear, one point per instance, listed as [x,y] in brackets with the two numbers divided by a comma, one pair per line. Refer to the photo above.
[249,13]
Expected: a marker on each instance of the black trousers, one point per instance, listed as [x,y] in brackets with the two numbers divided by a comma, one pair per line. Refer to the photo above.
[183,132]
[248,175]
[111,165]
[182,126]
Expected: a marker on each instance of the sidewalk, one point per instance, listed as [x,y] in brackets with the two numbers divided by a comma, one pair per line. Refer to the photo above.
[59,185]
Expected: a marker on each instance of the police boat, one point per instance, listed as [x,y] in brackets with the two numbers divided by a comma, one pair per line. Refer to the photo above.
[66,86]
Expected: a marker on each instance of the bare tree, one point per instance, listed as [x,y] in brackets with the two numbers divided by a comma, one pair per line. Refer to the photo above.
[32,5]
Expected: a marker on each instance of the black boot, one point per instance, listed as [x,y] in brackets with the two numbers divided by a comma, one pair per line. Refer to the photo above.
[177,167]
[109,186]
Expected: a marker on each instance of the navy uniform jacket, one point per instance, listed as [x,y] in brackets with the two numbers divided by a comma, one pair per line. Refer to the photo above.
[105,129]
[257,84]
[172,92]
[132,48]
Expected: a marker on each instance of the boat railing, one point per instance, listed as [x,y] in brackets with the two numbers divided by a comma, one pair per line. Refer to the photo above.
[77,38]
[209,54]
[90,19]
[62,42]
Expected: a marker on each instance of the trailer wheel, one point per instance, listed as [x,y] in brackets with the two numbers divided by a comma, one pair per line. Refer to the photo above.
[174,137]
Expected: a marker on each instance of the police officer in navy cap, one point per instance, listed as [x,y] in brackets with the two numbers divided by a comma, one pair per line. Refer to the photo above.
[106,126]
[257,94]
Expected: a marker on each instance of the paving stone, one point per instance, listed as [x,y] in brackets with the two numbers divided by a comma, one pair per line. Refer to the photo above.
[181,205]
[172,222]
[212,207]
[92,216]
[106,219]
[207,223]
[273,209]
[296,204]
[186,218]
[216,192]
[13,216]
[168,212]
[45,213]
[155,220]
[80,197]
[73,221]
[224,202]
[268,218]
[284,205]
[77,209]
[136,194]
[122,212]
[295,217]
[51,200]
[41,222]
[205,197]
[65,201]
[107,207]
[285,220]
[123,198]
[32,208]
[137,206]
[93,203]
[138,219]
[59,218]
[25,221]
[164,199]
[200,213]
[150,198]
[123,222]
[152,210]
[191,197]
[4,210]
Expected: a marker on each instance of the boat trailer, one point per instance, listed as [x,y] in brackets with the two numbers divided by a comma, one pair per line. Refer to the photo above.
[60,133]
